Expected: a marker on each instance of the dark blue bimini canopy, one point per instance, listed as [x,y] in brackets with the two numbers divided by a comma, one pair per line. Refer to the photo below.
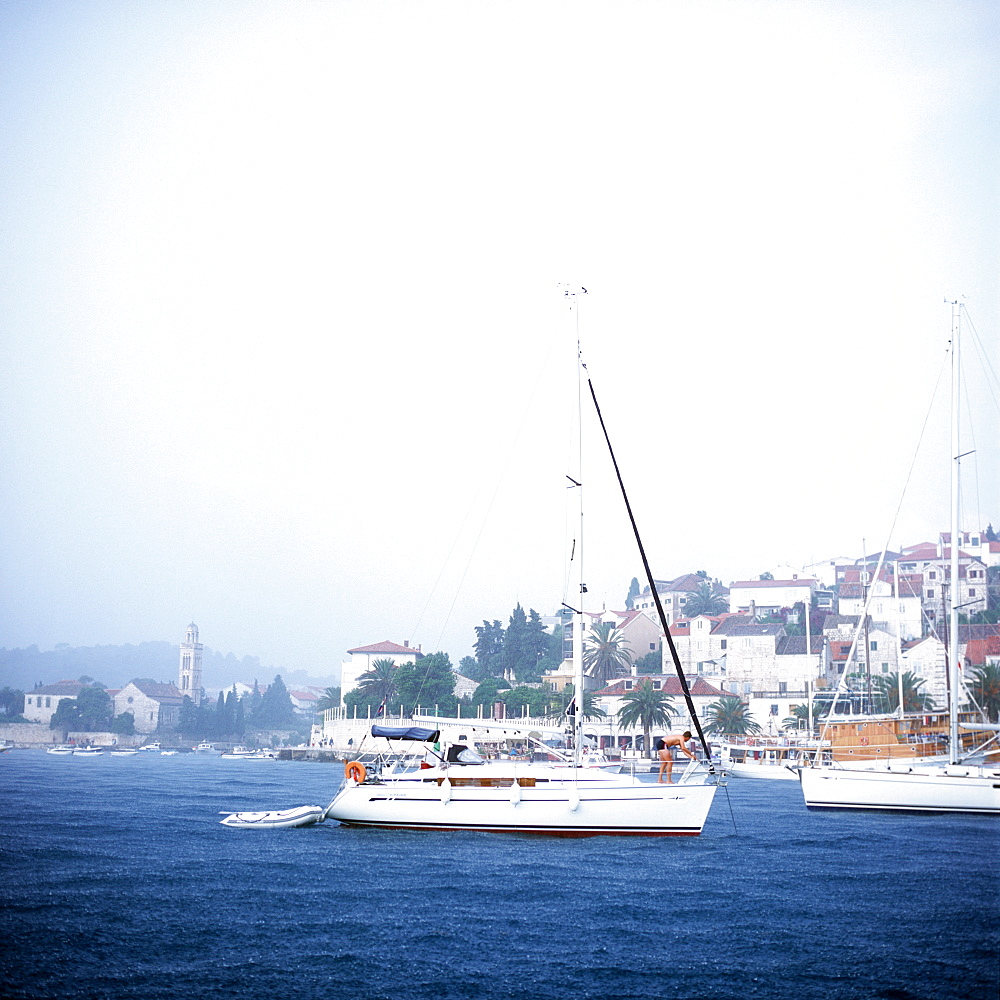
[407,733]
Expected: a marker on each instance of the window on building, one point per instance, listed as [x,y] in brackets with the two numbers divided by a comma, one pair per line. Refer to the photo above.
[930,593]
[972,591]
[782,687]
[873,645]
[885,668]
[932,575]
[652,647]
[657,685]
[724,642]
[628,685]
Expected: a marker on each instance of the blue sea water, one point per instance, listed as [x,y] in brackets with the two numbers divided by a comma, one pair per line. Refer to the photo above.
[118,882]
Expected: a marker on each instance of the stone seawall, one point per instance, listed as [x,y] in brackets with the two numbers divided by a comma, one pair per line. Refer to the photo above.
[34,735]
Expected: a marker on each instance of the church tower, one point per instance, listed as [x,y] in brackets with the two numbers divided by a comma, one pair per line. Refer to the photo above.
[189,673]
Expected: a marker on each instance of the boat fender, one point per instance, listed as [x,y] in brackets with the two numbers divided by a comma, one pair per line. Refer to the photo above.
[445,791]
[515,792]
[355,770]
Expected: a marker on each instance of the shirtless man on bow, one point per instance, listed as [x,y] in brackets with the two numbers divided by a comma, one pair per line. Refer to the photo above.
[666,755]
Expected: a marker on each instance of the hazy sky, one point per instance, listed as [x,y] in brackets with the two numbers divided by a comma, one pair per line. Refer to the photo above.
[283,347]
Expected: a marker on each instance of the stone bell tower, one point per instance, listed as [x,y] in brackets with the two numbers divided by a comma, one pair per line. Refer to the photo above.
[189,672]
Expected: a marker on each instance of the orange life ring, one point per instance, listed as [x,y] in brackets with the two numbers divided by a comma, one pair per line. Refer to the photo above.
[864,741]
[356,770]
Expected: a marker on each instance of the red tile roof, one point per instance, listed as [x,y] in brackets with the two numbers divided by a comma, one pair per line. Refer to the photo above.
[68,689]
[385,647]
[670,685]
[977,650]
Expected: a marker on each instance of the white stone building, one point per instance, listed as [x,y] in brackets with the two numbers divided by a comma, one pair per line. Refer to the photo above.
[41,703]
[154,706]
[363,657]
[765,597]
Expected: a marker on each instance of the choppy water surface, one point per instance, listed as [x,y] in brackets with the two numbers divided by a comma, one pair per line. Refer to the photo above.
[118,882]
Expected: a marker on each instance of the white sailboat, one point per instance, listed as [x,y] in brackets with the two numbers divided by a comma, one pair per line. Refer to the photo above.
[956,786]
[456,789]
[459,790]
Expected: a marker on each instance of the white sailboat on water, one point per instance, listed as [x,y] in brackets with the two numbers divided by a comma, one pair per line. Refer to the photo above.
[456,789]
[956,786]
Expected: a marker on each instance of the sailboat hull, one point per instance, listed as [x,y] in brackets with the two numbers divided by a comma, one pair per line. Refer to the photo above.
[951,789]
[639,810]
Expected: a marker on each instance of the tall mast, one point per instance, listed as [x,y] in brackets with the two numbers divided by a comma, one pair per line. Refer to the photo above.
[956,312]
[573,294]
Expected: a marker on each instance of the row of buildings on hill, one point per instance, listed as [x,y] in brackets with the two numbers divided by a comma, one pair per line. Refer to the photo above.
[764,650]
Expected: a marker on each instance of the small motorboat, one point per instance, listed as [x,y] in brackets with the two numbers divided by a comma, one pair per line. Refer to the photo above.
[124,752]
[277,819]
[168,753]
[150,747]
[237,753]
[206,748]
[88,752]
[60,751]
[264,754]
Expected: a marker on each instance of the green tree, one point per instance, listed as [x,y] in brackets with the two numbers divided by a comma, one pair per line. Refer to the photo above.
[239,719]
[651,663]
[489,648]
[124,724]
[800,715]
[518,652]
[605,655]
[885,688]
[95,708]
[188,723]
[329,699]
[526,700]
[646,706]
[276,710]
[488,692]
[730,715]
[590,709]
[66,717]
[985,689]
[378,686]
[428,682]
[11,701]
[633,593]
[223,723]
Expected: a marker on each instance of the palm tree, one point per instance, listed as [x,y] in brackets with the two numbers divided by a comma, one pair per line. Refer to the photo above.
[708,598]
[329,699]
[604,654]
[800,713]
[985,688]
[730,715]
[646,706]
[886,688]
[379,683]
[590,710]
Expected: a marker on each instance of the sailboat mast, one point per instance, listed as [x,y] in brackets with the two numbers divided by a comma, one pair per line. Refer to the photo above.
[578,617]
[956,314]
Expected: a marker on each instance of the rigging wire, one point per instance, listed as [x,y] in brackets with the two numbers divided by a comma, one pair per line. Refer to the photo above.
[533,395]
[881,560]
